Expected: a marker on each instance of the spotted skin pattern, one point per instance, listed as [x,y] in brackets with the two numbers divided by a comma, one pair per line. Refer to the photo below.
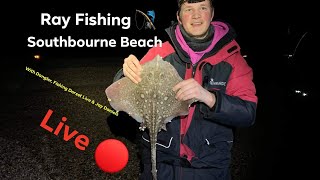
[151,102]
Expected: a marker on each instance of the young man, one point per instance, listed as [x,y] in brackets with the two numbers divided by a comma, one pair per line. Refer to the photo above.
[215,74]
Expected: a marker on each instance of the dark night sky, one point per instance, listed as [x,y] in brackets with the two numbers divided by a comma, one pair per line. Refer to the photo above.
[254,22]
[24,22]
[266,32]
[260,26]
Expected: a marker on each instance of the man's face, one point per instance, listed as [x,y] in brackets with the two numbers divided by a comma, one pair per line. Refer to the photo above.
[196,18]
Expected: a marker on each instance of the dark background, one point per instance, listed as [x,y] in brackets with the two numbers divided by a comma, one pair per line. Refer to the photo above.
[281,144]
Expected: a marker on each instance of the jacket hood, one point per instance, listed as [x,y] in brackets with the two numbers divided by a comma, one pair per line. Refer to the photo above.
[223,34]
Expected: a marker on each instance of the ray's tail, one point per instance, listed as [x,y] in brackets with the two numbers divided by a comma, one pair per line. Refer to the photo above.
[153,141]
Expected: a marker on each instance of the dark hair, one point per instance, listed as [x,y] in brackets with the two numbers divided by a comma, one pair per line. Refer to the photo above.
[180,2]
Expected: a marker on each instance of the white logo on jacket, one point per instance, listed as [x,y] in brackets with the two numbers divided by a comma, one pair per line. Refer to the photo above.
[219,83]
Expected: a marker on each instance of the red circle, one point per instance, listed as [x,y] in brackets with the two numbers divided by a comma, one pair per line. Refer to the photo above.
[111,155]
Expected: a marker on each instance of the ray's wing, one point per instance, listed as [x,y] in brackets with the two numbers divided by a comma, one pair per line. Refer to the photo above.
[121,97]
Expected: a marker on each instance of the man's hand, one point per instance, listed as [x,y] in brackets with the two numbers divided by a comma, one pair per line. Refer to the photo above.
[191,89]
[132,68]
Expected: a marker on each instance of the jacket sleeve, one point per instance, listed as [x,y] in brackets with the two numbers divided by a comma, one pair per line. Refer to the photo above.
[237,106]
[162,51]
